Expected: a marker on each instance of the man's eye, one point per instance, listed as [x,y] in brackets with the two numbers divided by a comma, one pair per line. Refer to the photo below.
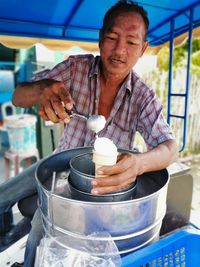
[132,43]
[111,37]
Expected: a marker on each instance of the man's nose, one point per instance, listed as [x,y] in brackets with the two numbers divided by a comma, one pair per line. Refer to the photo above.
[120,47]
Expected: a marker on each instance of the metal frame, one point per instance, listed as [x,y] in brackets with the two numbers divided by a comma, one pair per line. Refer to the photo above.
[170,84]
[176,32]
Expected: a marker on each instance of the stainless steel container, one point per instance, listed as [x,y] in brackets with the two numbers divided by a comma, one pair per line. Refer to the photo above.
[135,222]
[82,172]
[114,197]
[124,243]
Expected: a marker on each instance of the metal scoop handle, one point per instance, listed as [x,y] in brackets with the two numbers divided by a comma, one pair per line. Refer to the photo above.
[72,114]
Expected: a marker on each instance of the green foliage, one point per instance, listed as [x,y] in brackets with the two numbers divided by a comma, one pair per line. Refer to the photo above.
[163,59]
[180,57]
[196,58]
[195,45]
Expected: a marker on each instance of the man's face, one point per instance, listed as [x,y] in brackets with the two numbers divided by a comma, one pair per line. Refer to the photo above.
[121,47]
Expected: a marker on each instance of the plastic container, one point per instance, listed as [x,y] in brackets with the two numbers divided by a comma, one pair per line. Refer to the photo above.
[179,249]
[21,132]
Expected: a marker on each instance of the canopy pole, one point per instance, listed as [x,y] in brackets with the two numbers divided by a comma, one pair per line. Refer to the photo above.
[188,76]
[186,94]
[171,55]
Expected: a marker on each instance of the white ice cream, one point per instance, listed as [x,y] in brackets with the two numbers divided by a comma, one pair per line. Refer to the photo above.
[105,146]
[96,123]
[104,153]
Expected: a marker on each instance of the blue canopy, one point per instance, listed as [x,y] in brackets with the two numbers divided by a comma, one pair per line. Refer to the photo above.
[81,20]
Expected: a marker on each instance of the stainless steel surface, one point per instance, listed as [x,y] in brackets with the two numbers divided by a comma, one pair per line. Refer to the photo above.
[84,218]
[82,171]
[91,119]
[124,243]
[112,197]
[74,114]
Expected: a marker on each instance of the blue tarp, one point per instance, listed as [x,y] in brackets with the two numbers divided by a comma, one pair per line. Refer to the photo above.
[81,19]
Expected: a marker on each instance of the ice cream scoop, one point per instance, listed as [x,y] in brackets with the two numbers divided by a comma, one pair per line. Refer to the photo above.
[95,123]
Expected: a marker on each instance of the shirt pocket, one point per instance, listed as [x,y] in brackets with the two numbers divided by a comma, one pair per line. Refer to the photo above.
[120,136]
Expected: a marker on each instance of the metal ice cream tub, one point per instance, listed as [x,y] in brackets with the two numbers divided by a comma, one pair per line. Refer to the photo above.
[131,224]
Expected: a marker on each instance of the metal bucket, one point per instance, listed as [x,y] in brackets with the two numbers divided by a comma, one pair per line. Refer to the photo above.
[124,243]
[131,223]
[82,172]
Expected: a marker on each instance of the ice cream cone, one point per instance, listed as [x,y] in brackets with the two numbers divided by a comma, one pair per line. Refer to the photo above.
[104,153]
[103,160]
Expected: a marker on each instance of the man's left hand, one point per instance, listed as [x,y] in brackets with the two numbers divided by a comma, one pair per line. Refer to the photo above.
[117,177]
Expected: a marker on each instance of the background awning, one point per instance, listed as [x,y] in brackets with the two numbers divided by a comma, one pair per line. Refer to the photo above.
[27,42]
[80,21]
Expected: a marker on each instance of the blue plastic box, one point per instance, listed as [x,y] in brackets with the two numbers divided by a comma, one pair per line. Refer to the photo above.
[179,249]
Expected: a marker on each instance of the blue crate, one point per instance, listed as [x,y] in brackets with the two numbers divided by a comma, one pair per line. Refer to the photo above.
[179,249]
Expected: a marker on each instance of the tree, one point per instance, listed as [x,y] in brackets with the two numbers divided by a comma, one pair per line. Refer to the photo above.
[180,56]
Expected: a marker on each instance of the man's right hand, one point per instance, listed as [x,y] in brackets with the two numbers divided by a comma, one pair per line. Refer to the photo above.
[53,101]
[52,97]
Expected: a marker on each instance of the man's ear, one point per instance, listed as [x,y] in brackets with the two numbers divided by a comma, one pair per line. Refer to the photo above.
[145,45]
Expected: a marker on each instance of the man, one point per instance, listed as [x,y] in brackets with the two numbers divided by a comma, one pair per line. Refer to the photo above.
[104,85]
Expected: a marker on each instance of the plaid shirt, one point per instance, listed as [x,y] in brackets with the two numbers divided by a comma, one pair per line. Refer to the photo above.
[136,107]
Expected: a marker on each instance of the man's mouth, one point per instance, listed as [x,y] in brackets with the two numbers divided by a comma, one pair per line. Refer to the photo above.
[117,60]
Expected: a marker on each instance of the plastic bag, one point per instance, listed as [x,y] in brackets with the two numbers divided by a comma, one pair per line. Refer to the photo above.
[53,252]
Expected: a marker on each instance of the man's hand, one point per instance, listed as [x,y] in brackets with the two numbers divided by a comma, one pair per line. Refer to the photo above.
[53,102]
[129,166]
[51,96]
[118,176]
